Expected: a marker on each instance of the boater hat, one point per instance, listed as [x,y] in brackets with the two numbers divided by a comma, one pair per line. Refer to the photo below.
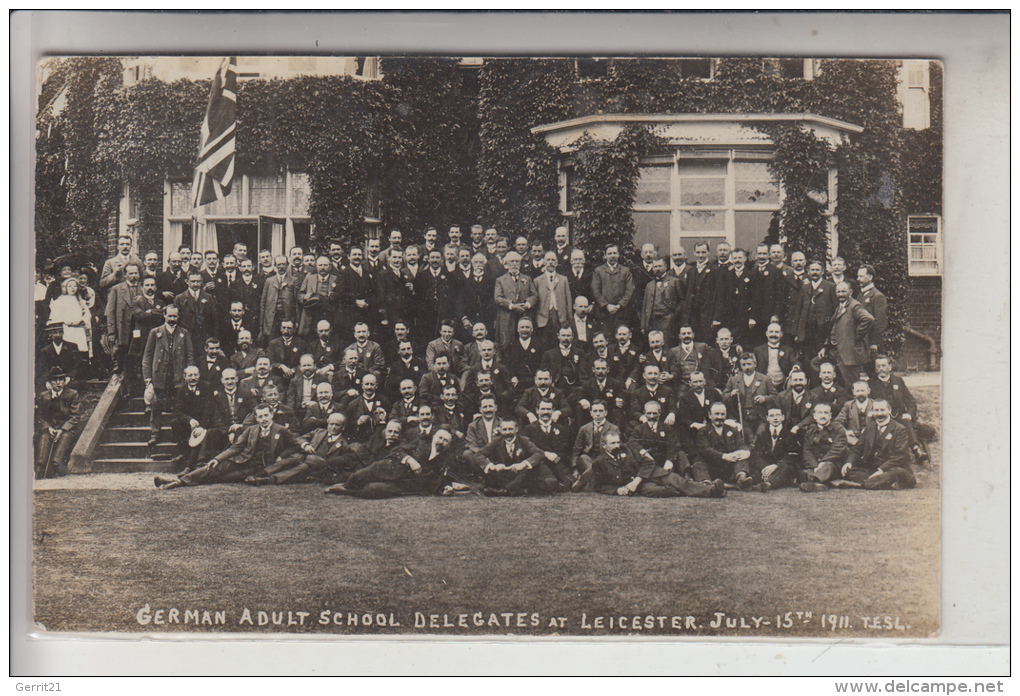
[197,436]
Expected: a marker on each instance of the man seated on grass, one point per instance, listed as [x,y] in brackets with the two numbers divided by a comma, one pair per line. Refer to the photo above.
[510,464]
[627,469]
[881,457]
[259,451]
[775,453]
[588,444]
[401,472]
[721,451]
[823,451]
[553,440]
[892,388]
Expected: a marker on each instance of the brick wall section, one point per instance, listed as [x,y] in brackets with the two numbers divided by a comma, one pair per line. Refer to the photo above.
[924,314]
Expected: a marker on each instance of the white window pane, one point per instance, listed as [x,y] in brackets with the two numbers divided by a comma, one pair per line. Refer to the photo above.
[702,191]
[703,221]
[703,168]
[652,228]
[180,198]
[268,195]
[300,193]
[231,205]
[653,186]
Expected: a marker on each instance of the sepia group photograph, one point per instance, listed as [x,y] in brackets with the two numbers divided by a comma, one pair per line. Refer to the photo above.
[488,346]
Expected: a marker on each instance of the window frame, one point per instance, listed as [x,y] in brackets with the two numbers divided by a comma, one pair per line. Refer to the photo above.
[913,272]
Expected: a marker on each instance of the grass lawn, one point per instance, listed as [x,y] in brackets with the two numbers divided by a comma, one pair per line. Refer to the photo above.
[537,566]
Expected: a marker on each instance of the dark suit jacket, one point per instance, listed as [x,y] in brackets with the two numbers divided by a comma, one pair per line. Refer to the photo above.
[735,302]
[816,308]
[477,437]
[165,358]
[786,358]
[69,360]
[496,452]
[353,287]
[61,413]
[282,442]
[323,448]
[556,440]
[875,450]
[200,317]
[711,446]
[145,315]
[895,391]
[250,295]
[308,289]
[877,306]
[193,404]
[370,357]
[393,298]
[275,287]
[661,443]
[589,442]
[663,305]
[785,451]
[736,391]
[219,407]
[824,445]
[564,370]
[700,305]
[610,392]
[282,354]
[681,370]
[316,416]
[580,286]
[836,396]
[793,413]
[530,399]
[851,333]
[612,472]
[717,368]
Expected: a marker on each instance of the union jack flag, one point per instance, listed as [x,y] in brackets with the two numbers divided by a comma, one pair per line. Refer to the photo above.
[214,172]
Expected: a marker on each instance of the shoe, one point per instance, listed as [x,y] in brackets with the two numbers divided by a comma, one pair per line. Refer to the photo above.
[813,487]
[763,487]
[153,441]
[338,489]
[730,486]
[259,480]
[843,483]
[167,484]
[744,482]
[577,486]
[718,489]
[494,492]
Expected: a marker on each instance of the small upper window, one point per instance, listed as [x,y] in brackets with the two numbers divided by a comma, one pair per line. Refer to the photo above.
[925,242]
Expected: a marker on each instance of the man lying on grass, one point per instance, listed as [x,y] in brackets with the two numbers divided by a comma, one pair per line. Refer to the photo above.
[263,449]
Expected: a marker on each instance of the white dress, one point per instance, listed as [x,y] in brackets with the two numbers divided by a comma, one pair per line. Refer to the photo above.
[73,313]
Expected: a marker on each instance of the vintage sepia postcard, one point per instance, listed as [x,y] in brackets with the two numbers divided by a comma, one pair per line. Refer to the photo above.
[441,346]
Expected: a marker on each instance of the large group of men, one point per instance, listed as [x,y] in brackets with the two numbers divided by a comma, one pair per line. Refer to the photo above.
[505,366]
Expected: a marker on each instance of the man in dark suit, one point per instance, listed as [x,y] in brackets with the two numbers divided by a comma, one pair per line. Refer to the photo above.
[510,464]
[650,390]
[769,290]
[248,291]
[233,324]
[57,410]
[478,306]
[652,434]
[244,358]
[362,411]
[485,428]
[722,360]
[700,303]
[259,451]
[588,444]
[405,366]
[775,454]
[228,408]
[578,277]
[301,390]
[684,273]
[881,458]
[656,355]
[891,387]
[347,376]
[562,249]
[735,299]
[850,335]
[318,411]
[872,299]
[370,354]
[523,357]
[168,350]
[402,471]
[817,305]
[198,310]
[796,403]
[721,451]
[553,439]
[581,323]
[278,302]
[331,463]
[173,281]
[603,388]
[394,299]
[628,469]
[191,411]
[693,408]
[357,294]
[828,390]
[58,353]
[824,450]
[286,351]
[563,361]
[212,363]
[663,303]
[774,358]
[527,406]
[446,345]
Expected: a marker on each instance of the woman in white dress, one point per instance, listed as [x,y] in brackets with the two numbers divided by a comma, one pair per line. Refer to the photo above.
[72,311]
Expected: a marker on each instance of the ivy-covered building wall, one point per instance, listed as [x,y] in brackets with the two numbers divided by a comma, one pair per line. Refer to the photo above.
[435,142]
